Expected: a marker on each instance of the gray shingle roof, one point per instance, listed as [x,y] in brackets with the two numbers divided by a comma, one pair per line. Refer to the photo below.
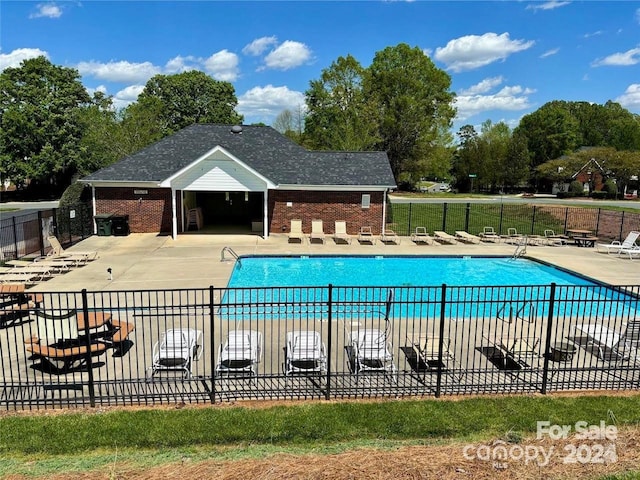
[262,148]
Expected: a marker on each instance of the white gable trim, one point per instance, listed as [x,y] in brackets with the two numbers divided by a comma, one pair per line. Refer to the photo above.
[169,182]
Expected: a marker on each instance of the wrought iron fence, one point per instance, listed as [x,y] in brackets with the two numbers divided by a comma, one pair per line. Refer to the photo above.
[526,219]
[24,235]
[215,345]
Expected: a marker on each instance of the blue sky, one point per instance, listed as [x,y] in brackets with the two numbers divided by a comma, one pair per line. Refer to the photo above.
[505,58]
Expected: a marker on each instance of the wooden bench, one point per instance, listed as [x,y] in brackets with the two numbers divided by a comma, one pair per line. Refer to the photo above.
[15,303]
[122,330]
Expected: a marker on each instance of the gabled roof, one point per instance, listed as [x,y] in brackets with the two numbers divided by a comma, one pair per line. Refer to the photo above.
[263,149]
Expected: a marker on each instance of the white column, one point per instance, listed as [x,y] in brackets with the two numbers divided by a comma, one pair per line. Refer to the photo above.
[384,211]
[93,209]
[174,217]
[265,216]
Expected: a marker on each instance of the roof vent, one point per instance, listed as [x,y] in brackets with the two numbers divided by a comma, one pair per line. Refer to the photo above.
[236,129]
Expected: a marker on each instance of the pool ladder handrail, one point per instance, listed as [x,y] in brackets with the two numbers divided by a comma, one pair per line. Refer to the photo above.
[518,316]
[230,251]
[521,249]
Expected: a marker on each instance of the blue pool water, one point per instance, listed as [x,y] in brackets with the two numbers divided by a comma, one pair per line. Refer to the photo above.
[397,271]
[294,287]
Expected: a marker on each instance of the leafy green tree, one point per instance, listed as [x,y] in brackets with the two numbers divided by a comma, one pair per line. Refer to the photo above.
[517,165]
[291,124]
[40,123]
[414,104]
[340,115]
[177,101]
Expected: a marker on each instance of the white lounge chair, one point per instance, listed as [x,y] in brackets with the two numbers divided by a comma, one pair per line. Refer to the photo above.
[340,233]
[421,236]
[57,252]
[634,251]
[317,231]
[295,231]
[240,354]
[467,237]
[366,235]
[371,352]
[305,353]
[441,236]
[512,236]
[427,350]
[488,234]
[616,246]
[176,351]
[555,240]
[390,236]
[622,345]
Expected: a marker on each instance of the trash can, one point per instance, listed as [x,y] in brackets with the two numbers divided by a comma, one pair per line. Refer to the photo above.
[103,224]
[120,225]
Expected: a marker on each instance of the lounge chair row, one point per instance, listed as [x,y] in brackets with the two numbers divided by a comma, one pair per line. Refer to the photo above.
[340,234]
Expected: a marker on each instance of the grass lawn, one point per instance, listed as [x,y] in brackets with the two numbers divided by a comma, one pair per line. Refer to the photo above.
[47,443]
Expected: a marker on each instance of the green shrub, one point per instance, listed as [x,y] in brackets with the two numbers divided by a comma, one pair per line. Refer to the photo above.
[599,195]
[610,188]
[576,188]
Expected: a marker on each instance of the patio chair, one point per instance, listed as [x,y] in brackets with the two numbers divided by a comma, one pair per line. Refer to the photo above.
[427,350]
[421,236]
[295,231]
[240,354]
[317,231]
[340,233]
[305,354]
[555,240]
[57,344]
[523,351]
[177,350]
[488,234]
[623,345]
[366,235]
[60,253]
[512,237]
[466,237]
[390,236]
[633,251]
[371,352]
[441,236]
[615,246]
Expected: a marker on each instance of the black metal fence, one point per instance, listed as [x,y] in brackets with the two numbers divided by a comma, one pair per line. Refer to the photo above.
[26,234]
[215,345]
[526,219]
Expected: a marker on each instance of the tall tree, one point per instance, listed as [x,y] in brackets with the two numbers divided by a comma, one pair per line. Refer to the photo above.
[291,124]
[340,115]
[185,98]
[40,126]
[414,104]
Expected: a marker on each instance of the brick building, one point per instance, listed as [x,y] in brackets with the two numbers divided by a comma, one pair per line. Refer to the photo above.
[241,179]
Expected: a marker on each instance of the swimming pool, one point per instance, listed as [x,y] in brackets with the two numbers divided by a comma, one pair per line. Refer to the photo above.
[476,286]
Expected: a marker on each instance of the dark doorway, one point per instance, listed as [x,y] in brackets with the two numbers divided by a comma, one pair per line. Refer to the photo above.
[223,209]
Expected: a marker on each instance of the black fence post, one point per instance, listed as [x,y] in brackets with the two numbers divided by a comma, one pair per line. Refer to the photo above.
[621,226]
[15,236]
[444,217]
[501,214]
[566,219]
[443,304]
[466,217]
[598,221]
[547,346]
[88,357]
[410,228]
[533,220]
[327,392]
[212,344]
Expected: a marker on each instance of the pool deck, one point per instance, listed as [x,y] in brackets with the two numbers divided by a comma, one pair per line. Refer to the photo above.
[149,261]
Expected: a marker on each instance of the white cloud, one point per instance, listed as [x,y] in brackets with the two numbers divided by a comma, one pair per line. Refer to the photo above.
[548,53]
[483,87]
[471,101]
[594,34]
[127,96]
[474,51]
[181,64]
[288,55]
[550,5]
[268,101]
[125,72]
[620,59]
[259,46]
[630,99]
[47,10]
[14,59]
[222,66]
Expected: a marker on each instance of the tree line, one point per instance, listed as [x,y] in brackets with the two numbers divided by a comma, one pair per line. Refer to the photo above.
[52,130]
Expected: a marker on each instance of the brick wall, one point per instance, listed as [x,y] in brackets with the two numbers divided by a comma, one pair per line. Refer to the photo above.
[327,206]
[148,213]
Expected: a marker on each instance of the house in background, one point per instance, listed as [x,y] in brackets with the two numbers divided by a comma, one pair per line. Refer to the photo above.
[234,179]
[592,176]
